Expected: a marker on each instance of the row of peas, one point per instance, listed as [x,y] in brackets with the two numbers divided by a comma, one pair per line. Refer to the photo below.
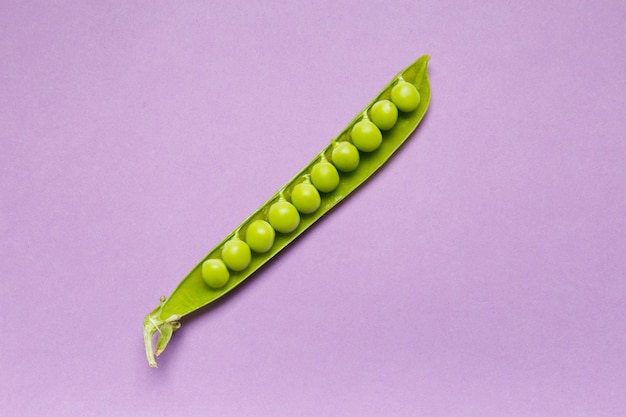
[284,216]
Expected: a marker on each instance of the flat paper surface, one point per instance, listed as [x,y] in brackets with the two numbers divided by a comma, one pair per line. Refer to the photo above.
[481,272]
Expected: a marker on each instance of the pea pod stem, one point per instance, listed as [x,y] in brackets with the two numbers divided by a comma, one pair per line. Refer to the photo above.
[192,293]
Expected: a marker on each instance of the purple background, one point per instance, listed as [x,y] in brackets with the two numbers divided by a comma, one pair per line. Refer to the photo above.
[480,273]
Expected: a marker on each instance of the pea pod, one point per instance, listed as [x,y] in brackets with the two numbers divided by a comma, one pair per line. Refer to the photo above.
[371,138]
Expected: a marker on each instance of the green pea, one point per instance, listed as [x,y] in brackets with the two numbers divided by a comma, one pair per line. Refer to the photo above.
[234,260]
[366,136]
[283,216]
[236,254]
[214,273]
[305,197]
[345,156]
[324,176]
[260,236]
[384,114]
[405,96]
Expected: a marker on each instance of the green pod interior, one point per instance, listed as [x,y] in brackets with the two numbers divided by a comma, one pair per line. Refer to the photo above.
[192,293]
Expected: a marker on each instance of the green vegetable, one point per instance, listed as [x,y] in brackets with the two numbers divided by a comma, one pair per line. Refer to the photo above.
[231,261]
[260,236]
[366,136]
[324,176]
[236,254]
[215,273]
[283,216]
[384,114]
[405,96]
[345,156]
[305,197]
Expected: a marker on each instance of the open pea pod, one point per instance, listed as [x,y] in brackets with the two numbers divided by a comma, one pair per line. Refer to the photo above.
[351,158]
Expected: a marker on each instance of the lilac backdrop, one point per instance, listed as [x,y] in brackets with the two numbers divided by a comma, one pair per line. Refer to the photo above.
[481,273]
